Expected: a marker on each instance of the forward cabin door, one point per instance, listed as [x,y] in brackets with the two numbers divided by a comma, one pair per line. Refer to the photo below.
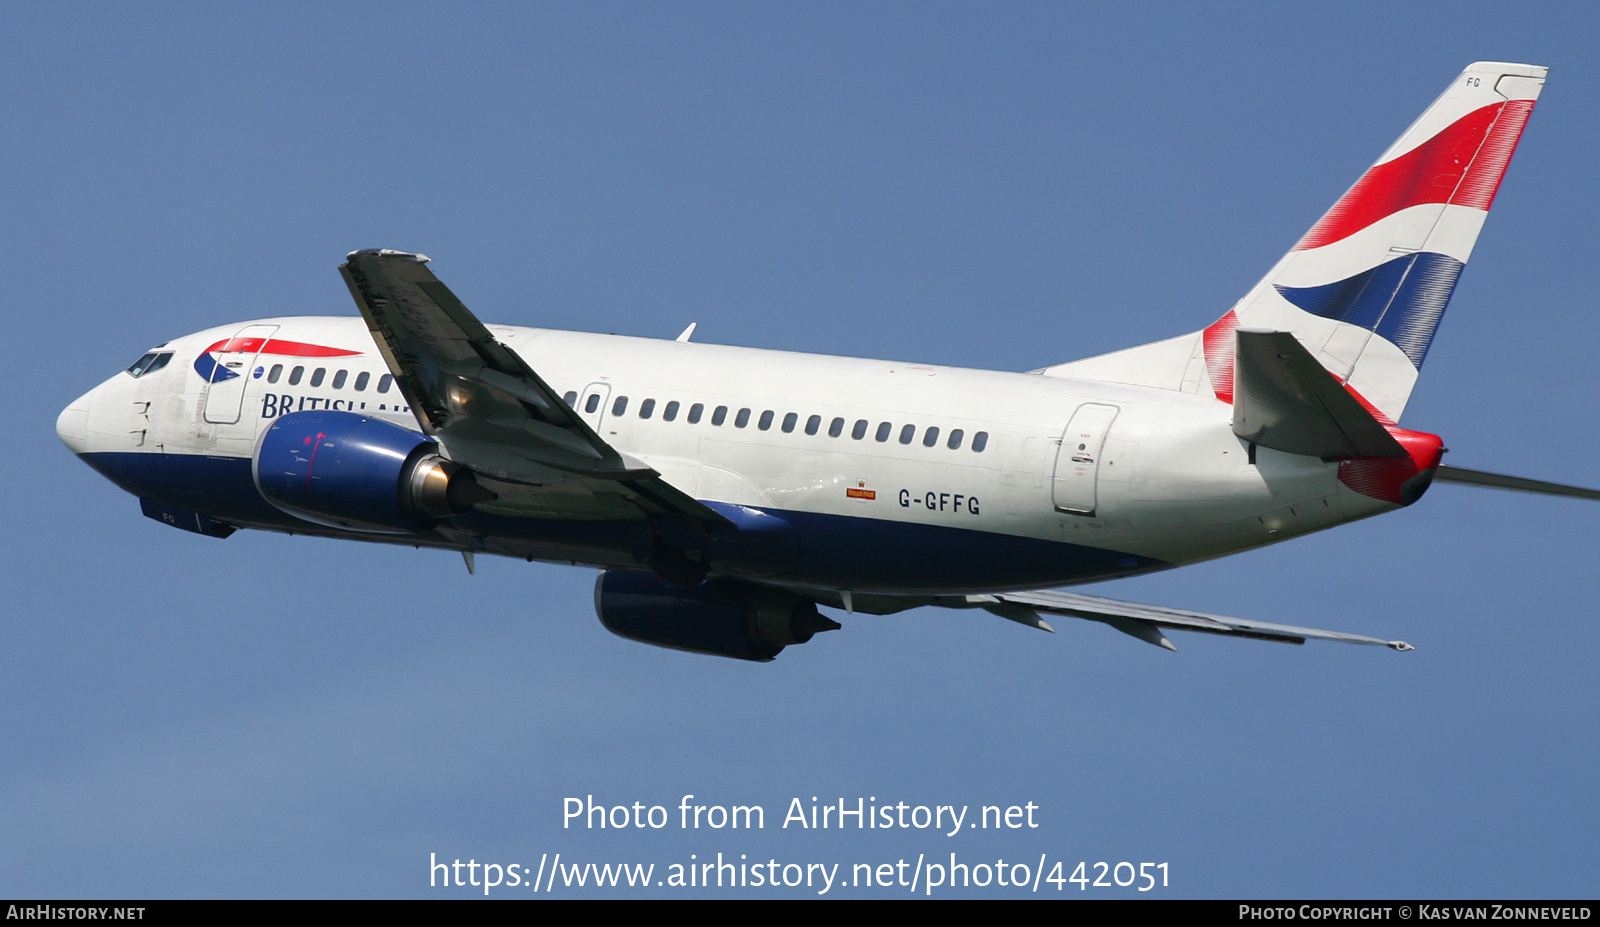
[234,365]
[1078,458]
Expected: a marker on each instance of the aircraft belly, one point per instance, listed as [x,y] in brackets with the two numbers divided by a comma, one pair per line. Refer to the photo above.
[805,548]
[220,487]
[876,555]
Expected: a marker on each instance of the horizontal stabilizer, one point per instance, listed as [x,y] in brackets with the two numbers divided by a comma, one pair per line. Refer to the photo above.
[1516,483]
[1283,398]
[1145,621]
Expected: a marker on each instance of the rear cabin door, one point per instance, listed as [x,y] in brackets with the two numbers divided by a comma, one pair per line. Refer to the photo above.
[1078,459]
[233,368]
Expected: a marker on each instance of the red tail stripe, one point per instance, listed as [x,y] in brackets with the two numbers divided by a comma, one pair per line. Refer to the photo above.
[1219,344]
[1463,165]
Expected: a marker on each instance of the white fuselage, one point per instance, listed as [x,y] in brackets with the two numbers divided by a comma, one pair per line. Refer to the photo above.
[1170,482]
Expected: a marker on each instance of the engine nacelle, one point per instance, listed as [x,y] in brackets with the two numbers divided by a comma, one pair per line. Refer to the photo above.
[345,470]
[716,618]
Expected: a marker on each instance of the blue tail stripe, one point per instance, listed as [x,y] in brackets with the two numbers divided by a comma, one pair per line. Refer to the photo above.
[1402,300]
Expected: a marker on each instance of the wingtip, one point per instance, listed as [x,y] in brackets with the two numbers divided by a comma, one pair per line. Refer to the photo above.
[388,252]
[1400,646]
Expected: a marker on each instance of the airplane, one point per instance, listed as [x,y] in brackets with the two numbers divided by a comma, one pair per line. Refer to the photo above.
[726,493]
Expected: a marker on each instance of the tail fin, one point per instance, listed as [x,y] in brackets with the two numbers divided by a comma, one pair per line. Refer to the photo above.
[1365,289]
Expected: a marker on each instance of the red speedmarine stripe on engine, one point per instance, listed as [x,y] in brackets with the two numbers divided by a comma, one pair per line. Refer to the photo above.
[1462,165]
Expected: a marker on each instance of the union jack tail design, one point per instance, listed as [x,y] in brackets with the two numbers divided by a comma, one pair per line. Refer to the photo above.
[1365,289]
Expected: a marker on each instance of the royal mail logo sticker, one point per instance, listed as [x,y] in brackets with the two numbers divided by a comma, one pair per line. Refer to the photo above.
[859,492]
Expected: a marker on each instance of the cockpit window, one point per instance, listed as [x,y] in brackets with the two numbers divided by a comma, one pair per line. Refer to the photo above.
[150,363]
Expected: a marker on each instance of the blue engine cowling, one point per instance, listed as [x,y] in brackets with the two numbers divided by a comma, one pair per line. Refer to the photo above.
[346,470]
[717,618]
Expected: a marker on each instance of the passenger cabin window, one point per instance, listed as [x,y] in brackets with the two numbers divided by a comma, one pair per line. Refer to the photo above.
[361,381]
[789,421]
[384,382]
[317,375]
[274,373]
[742,419]
[620,406]
[295,375]
[695,411]
[571,398]
[860,429]
[930,438]
[339,378]
[883,432]
[647,408]
[813,423]
[954,443]
[766,420]
[836,428]
[980,441]
[720,415]
[593,403]
[907,433]
[670,412]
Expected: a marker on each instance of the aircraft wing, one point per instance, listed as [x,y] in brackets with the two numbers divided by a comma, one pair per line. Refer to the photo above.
[488,409]
[1147,621]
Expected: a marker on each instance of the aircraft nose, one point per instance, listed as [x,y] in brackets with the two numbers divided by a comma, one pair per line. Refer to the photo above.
[72,425]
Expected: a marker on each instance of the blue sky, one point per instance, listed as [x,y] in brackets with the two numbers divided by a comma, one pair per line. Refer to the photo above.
[989,186]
